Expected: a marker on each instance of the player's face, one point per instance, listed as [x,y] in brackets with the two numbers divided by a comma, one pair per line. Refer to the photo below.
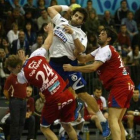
[77,19]
[14,70]
[103,39]
[97,93]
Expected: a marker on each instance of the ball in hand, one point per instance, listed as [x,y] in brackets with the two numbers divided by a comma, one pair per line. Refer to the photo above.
[74,6]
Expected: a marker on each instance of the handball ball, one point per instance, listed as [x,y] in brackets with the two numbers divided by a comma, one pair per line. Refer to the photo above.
[74,6]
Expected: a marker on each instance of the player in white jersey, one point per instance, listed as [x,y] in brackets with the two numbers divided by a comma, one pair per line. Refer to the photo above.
[69,40]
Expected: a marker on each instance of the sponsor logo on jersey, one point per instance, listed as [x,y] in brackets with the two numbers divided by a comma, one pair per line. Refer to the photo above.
[60,35]
[61,105]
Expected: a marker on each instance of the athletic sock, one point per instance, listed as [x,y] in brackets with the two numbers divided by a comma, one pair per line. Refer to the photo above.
[101,116]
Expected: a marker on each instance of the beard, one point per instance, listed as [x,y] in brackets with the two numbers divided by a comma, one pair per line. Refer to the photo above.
[100,42]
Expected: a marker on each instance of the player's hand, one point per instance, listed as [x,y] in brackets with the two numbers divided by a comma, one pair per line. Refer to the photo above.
[48,28]
[67,67]
[68,29]
[21,55]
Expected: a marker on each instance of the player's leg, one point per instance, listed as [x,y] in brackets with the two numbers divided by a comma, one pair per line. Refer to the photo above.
[116,126]
[78,84]
[70,131]
[48,133]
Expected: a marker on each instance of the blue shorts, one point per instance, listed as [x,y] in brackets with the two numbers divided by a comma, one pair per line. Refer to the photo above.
[76,81]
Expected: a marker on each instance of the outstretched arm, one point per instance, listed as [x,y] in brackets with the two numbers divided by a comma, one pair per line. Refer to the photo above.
[87,68]
[48,41]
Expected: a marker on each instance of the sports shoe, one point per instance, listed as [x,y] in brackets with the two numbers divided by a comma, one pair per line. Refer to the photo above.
[62,138]
[78,109]
[106,131]
[79,138]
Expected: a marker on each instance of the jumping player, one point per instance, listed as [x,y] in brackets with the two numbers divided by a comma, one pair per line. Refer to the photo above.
[60,103]
[69,38]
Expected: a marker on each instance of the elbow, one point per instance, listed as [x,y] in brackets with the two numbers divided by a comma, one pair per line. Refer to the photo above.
[49,9]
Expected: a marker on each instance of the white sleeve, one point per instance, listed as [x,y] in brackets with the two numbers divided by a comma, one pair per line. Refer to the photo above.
[39,52]
[94,52]
[104,101]
[59,19]
[103,55]
[21,78]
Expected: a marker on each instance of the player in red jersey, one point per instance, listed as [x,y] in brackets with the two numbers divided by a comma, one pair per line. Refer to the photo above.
[60,103]
[113,75]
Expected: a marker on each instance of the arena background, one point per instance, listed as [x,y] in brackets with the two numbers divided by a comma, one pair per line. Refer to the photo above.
[99,5]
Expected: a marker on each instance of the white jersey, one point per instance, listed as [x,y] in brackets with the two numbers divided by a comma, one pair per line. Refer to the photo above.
[63,44]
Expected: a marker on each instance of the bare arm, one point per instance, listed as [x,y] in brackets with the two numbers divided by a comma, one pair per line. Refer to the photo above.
[54,10]
[49,39]
[83,58]
[6,94]
[87,68]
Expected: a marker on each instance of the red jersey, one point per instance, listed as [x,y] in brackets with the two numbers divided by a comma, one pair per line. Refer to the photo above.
[14,88]
[113,70]
[38,72]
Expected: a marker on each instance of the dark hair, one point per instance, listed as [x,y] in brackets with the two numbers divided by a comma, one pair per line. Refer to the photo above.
[97,88]
[13,61]
[81,10]
[39,1]
[89,1]
[123,1]
[112,34]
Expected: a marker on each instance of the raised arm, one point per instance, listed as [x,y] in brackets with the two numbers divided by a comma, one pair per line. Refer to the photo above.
[48,41]
[54,10]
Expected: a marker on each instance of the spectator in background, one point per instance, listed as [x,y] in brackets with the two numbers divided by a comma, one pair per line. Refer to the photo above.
[72,2]
[131,24]
[2,30]
[134,55]
[29,6]
[107,20]
[30,35]
[40,7]
[20,43]
[136,39]
[89,115]
[124,41]
[92,23]
[5,45]
[39,103]
[17,5]
[44,18]
[14,18]
[5,9]
[13,33]
[89,8]
[3,72]
[30,119]
[53,2]
[38,44]
[92,43]
[30,17]
[137,17]
[121,13]
[133,113]
[16,94]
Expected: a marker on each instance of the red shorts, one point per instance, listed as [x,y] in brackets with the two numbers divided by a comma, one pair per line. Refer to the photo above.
[121,94]
[136,119]
[62,108]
